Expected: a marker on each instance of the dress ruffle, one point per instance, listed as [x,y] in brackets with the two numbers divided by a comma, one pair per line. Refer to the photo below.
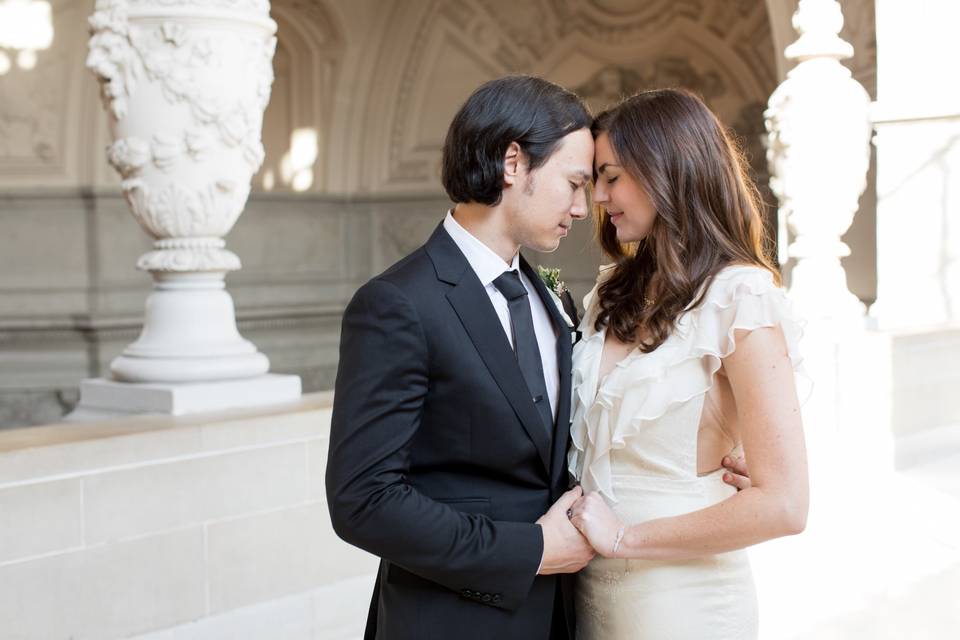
[643,387]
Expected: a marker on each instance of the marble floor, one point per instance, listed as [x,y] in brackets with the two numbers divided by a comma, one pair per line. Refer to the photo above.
[880,558]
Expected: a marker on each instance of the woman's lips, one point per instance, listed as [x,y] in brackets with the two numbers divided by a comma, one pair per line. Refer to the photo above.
[614,216]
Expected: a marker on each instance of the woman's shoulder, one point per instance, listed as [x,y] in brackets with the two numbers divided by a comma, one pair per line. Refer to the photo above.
[734,281]
[739,271]
[744,297]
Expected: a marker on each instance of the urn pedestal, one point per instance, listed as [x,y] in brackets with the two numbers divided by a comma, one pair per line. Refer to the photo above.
[185,84]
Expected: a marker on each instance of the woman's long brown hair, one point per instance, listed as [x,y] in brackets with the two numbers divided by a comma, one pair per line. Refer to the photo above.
[707,213]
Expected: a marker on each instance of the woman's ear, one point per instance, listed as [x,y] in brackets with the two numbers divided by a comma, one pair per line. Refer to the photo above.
[513,162]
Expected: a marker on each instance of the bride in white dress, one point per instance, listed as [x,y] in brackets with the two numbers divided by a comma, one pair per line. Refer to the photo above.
[688,356]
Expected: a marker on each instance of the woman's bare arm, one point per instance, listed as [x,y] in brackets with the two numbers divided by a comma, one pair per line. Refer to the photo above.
[775,504]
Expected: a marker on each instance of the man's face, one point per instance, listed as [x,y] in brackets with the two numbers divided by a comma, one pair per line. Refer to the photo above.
[550,197]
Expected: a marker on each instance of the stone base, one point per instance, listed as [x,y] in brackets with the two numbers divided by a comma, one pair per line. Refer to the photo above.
[102,398]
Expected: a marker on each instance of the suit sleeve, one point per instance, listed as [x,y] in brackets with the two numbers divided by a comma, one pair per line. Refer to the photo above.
[382,382]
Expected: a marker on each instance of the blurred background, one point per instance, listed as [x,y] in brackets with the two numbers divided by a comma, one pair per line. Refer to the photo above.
[161,476]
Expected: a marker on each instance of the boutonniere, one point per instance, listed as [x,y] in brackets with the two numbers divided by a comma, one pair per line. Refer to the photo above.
[551,278]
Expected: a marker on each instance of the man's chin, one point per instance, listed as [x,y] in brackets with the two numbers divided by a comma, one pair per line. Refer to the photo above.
[547,247]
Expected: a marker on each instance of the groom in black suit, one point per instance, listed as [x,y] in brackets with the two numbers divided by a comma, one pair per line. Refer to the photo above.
[452,407]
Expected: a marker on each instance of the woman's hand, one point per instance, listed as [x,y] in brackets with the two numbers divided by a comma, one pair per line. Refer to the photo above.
[598,523]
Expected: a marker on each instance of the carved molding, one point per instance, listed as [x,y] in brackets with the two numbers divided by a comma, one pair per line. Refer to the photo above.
[612,83]
[551,29]
[617,22]
[31,117]
[40,108]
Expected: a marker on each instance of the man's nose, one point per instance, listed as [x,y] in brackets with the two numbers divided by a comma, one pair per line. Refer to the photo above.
[579,208]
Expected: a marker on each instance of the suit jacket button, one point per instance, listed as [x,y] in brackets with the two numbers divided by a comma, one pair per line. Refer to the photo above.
[486,597]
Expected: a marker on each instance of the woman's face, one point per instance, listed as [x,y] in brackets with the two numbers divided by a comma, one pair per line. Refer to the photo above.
[627,204]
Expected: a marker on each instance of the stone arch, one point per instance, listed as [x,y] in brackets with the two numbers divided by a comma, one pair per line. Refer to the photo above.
[781,27]
[725,55]
[436,52]
[409,98]
[306,66]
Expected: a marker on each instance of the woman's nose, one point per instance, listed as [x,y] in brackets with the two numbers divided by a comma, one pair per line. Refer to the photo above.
[599,193]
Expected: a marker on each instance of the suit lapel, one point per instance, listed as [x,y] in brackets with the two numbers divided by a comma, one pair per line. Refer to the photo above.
[472,305]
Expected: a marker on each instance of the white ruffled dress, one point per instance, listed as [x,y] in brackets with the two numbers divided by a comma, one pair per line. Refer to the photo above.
[634,439]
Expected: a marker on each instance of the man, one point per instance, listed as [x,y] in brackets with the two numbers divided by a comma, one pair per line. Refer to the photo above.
[452,403]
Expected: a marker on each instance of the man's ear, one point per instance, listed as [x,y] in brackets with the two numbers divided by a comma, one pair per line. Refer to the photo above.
[513,164]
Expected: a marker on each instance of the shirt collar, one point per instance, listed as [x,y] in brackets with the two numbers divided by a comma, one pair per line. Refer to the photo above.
[485,262]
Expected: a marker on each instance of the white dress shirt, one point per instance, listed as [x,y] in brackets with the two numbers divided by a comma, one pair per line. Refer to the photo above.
[489,266]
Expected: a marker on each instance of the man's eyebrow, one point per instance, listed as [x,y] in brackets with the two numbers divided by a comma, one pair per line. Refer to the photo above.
[583,175]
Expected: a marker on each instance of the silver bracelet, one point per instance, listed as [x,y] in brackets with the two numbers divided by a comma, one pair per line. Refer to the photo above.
[616,544]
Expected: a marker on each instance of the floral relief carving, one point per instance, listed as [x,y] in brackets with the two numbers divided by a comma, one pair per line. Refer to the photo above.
[112,57]
[128,155]
[198,91]
[177,211]
[122,54]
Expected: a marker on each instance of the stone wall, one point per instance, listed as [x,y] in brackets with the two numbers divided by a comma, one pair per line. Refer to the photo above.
[364,92]
[73,299]
[176,528]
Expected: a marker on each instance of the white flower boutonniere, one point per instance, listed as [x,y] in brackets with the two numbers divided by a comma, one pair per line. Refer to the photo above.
[551,278]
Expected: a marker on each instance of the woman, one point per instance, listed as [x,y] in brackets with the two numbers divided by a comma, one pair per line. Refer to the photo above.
[688,356]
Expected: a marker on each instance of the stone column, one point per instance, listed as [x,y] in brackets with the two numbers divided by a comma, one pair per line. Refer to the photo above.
[819,152]
[917,118]
[185,84]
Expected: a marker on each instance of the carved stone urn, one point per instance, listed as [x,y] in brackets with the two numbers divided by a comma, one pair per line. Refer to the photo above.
[185,84]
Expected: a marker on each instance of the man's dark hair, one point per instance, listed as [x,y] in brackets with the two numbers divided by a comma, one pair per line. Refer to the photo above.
[534,113]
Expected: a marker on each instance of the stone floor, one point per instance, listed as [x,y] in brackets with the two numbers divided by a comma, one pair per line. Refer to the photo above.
[880,558]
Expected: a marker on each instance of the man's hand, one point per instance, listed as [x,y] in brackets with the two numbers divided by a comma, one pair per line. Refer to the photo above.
[564,549]
[737,474]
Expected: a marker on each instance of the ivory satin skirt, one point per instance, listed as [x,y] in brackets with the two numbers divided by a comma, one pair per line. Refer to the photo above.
[708,598]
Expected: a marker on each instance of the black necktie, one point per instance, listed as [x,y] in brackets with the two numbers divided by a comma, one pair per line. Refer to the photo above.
[525,342]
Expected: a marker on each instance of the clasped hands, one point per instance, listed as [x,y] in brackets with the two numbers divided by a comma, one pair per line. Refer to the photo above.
[578,526]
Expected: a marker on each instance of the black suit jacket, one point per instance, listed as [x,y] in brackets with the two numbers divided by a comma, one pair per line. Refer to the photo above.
[439,462]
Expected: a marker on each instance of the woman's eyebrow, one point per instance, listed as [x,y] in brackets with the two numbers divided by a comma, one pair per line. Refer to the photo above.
[604,166]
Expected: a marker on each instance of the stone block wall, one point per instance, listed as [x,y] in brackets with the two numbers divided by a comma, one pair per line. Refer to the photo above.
[212,526]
